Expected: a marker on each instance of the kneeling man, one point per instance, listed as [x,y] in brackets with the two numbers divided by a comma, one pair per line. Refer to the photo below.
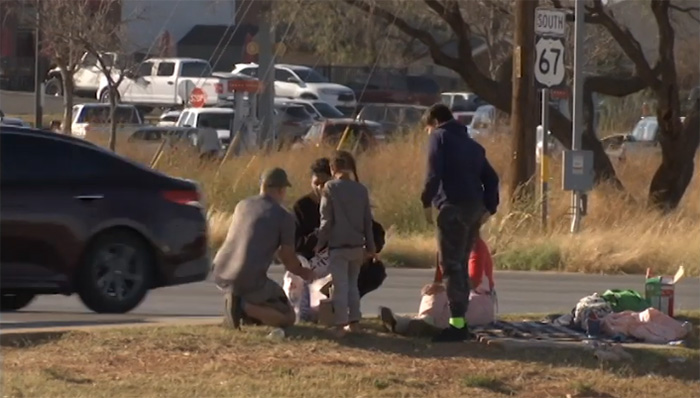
[260,229]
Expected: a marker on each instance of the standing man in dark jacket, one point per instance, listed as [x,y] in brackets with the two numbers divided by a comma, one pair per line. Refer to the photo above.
[463,186]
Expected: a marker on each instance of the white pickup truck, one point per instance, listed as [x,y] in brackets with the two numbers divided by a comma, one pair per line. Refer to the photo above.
[86,79]
[168,82]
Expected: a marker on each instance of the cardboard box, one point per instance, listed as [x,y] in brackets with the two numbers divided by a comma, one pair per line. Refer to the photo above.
[660,290]
[326,315]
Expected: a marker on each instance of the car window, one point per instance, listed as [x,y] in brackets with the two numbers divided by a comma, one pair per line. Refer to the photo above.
[297,112]
[29,158]
[166,68]
[446,99]
[371,112]
[327,110]
[217,121]
[282,75]
[422,84]
[646,129]
[310,109]
[170,118]
[249,72]
[309,75]
[98,114]
[195,69]
[145,69]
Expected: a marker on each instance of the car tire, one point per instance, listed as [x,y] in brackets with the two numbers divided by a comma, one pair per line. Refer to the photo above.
[10,302]
[54,87]
[117,263]
[104,96]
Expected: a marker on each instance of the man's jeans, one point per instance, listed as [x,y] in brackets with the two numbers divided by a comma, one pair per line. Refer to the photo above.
[457,229]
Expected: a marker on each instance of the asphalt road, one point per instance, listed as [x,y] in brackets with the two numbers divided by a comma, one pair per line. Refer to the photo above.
[518,292]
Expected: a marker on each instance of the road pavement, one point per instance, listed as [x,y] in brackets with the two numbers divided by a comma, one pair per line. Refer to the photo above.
[518,292]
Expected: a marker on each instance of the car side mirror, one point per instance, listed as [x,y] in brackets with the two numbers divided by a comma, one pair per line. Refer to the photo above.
[293,80]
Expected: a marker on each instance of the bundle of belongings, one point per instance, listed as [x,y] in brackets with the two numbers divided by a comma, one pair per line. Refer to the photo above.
[626,314]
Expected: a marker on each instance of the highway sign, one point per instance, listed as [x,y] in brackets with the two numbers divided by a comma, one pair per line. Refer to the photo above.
[550,22]
[550,71]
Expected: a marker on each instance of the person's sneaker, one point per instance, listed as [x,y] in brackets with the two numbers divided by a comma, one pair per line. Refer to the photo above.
[233,311]
[452,335]
[388,319]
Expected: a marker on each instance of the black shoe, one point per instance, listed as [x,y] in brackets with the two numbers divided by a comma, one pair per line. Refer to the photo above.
[452,335]
[233,311]
[388,319]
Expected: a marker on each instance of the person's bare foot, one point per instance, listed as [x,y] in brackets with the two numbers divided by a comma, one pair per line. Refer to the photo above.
[353,327]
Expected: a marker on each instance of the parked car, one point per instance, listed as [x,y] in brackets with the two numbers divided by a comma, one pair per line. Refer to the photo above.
[462,101]
[153,136]
[168,82]
[296,81]
[464,118]
[12,121]
[422,90]
[483,120]
[392,117]
[94,120]
[395,88]
[76,218]
[292,121]
[169,118]
[329,132]
[86,79]
[220,119]
[320,110]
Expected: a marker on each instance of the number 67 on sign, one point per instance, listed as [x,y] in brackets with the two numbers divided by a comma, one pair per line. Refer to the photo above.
[550,71]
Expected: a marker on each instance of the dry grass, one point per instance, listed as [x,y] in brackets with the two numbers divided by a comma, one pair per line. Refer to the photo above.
[209,361]
[620,234]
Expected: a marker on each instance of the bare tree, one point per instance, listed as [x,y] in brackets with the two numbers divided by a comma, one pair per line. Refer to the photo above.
[108,45]
[63,24]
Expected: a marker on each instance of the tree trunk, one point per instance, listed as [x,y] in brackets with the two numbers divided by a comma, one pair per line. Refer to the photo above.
[68,85]
[523,120]
[112,118]
[678,161]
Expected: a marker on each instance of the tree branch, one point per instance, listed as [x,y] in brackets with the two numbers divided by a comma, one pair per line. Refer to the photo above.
[424,37]
[627,42]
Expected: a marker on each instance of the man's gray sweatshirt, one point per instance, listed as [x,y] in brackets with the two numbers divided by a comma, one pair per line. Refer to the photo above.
[346,216]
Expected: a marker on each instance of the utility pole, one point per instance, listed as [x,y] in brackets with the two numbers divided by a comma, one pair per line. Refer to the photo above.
[266,75]
[577,197]
[38,97]
[523,108]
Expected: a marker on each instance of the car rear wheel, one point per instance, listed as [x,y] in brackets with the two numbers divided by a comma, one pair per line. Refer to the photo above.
[15,301]
[116,273]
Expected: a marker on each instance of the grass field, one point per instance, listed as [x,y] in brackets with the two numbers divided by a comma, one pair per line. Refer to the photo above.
[620,234]
[209,361]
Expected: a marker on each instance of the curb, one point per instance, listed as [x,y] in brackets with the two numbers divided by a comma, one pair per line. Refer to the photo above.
[29,336]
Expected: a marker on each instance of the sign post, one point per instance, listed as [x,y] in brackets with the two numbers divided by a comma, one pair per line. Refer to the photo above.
[550,73]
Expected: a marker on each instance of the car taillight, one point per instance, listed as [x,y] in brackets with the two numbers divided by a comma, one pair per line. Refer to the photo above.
[219,88]
[87,128]
[190,198]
